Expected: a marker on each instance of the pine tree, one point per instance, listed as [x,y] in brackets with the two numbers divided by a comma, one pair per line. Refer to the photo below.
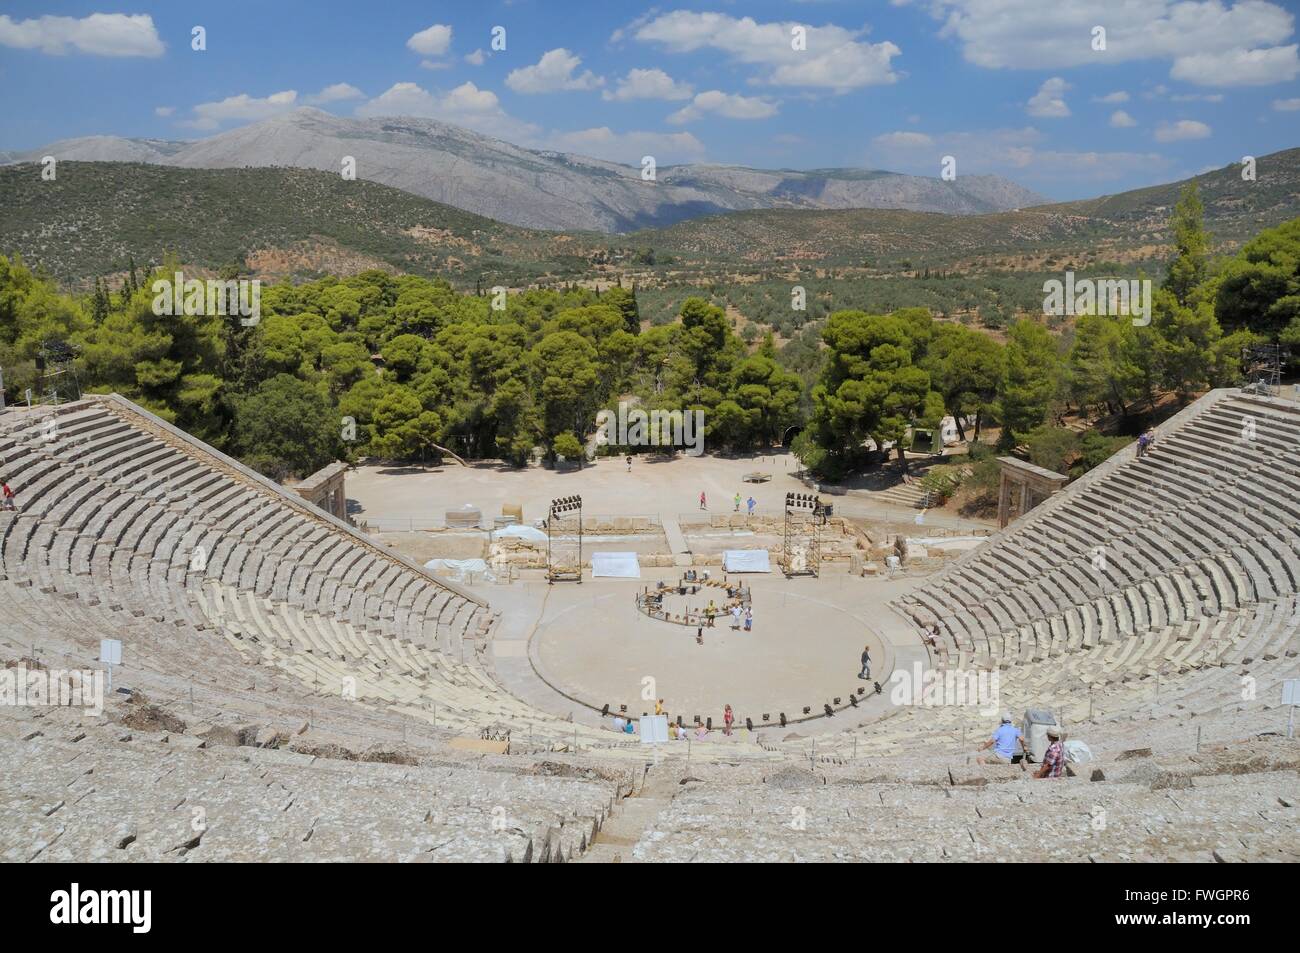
[1191,246]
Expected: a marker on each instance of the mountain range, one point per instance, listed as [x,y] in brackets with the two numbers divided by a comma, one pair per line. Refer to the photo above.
[538,189]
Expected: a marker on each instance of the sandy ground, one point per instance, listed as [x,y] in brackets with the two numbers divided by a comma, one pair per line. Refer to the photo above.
[390,497]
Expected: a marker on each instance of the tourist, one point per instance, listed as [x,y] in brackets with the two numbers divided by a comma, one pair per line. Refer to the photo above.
[8,497]
[749,619]
[629,463]
[659,707]
[701,732]
[619,723]
[1008,744]
[710,611]
[750,504]
[699,636]
[704,502]
[1151,438]
[736,509]
[1143,441]
[629,728]
[728,716]
[1054,758]
[735,616]
[866,663]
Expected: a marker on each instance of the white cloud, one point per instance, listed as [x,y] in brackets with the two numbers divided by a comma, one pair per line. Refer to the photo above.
[1239,67]
[1198,98]
[727,105]
[1049,101]
[603,143]
[164,111]
[835,58]
[554,72]
[647,84]
[246,108]
[434,41]
[1286,105]
[1181,130]
[103,34]
[1119,96]
[1122,120]
[477,58]
[903,140]
[339,92]
[241,108]
[466,105]
[1209,42]
[434,64]
[1017,153]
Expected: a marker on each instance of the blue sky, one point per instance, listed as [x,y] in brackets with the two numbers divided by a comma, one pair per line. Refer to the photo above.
[1016,87]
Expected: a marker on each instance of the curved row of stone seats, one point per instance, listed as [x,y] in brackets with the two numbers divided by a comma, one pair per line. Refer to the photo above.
[732,815]
[1221,674]
[1203,524]
[157,501]
[114,507]
[77,789]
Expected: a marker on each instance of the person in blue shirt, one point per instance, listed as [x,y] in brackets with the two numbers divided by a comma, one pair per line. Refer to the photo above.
[1007,743]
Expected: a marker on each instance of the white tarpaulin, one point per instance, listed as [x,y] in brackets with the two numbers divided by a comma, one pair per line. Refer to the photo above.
[621,565]
[519,531]
[654,729]
[460,570]
[746,560]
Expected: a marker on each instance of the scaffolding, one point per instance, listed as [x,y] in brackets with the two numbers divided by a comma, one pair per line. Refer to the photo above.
[801,549]
[1261,366]
[563,528]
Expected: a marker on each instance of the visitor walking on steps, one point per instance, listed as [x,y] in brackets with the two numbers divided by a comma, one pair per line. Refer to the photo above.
[727,718]
[749,619]
[1143,442]
[8,497]
[704,501]
[866,662]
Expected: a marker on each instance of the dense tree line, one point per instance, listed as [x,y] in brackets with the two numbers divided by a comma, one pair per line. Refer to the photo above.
[400,367]
[403,367]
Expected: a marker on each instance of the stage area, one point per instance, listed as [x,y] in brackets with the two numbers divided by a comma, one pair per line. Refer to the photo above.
[804,650]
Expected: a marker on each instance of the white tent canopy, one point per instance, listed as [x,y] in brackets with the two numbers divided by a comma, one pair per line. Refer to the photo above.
[746,560]
[619,565]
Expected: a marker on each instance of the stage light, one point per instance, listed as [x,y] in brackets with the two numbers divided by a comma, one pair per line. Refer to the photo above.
[807,709]
[829,710]
[782,719]
[836,701]
[605,711]
[862,691]
[767,716]
[853,700]
[708,725]
[749,724]
[623,709]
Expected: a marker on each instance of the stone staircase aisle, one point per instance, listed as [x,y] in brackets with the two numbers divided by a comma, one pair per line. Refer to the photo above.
[632,817]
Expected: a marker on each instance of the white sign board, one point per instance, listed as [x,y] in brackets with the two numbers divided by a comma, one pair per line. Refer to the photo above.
[110,651]
[1291,691]
[654,729]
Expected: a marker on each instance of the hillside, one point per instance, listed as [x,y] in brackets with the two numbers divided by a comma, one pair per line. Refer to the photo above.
[299,223]
[276,222]
[530,187]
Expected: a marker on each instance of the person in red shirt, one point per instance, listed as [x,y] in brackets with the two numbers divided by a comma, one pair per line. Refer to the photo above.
[727,718]
[1054,759]
[8,502]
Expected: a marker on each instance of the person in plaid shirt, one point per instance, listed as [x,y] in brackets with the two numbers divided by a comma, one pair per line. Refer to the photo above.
[1054,758]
